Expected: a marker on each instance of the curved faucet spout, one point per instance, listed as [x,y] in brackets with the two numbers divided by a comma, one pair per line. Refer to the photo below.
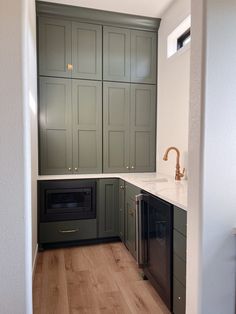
[178,174]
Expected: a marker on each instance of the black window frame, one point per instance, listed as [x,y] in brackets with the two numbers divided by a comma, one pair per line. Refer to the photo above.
[182,38]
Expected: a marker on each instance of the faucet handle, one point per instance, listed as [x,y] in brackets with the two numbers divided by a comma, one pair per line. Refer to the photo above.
[182,174]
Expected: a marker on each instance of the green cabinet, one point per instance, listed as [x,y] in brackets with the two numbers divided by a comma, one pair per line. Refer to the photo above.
[55,126]
[54,47]
[108,208]
[87,126]
[129,55]
[129,115]
[116,100]
[122,210]
[70,123]
[143,57]
[69,49]
[179,260]
[86,51]
[116,54]
[143,128]
[130,217]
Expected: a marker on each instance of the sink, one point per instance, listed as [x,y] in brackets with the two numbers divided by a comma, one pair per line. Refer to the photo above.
[158,180]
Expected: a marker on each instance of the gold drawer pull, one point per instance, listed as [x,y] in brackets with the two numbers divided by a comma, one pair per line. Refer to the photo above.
[69,231]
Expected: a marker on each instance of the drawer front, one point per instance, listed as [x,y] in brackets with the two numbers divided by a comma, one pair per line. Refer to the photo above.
[180,220]
[51,232]
[180,245]
[179,298]
[180,269]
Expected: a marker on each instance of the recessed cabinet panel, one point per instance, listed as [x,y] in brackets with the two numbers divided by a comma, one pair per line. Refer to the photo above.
[87,126]
[108,208]
[142,127]
[130,231]
[116,49]
[54,47]
[55,126]
[87,51]
[122,210]
[143,57]
[116,127]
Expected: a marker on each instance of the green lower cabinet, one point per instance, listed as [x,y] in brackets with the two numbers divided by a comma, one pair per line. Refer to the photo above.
[108,208]
[64,231]
[122,210]
[130,228]
[130,217]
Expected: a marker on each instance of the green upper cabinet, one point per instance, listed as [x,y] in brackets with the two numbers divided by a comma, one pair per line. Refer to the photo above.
[108,208]
[116,99]
[116,54]
[129,55]
[87,126]
[143,57]
[55,126]
[54,47]
[86,51]
[69,49]
[143,128]
[129,115]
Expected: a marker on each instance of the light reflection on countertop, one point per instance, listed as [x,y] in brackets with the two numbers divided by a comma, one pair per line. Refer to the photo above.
[163,186]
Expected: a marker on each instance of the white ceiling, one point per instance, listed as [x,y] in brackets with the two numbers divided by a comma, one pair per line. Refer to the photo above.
[152,8]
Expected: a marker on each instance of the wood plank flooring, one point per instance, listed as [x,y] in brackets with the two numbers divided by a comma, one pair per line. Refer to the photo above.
[92,279]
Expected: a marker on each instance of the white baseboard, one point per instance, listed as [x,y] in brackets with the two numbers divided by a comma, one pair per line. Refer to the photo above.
[35,261]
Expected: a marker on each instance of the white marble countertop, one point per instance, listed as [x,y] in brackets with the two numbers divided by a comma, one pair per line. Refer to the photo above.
[163,186]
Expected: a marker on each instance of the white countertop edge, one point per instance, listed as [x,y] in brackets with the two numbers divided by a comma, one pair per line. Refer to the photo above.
[176,190]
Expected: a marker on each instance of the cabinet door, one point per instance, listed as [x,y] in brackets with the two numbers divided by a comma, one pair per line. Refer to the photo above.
[87,126]
[87,51]
[54,47]
[130,225]
[108,208]
[116,99]
[116,52]
[55,126]
[143,128]
[143,57]
[121,209]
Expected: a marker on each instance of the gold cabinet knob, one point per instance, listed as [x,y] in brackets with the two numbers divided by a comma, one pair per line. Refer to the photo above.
[132,167]
[69,169]
[76,169]
[70,67]
[127,167]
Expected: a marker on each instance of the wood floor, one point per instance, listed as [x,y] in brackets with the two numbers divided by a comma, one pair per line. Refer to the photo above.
[92,279]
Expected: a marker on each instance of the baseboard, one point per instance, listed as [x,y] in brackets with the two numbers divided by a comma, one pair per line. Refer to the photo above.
[35,261]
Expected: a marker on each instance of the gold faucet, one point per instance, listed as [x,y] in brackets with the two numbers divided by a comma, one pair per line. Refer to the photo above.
[178,174]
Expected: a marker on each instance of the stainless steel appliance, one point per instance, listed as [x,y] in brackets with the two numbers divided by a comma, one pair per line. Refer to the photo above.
[154,228]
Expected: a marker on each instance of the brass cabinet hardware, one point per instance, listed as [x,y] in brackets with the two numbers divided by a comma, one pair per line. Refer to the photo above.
[127,167]
[69,231]
[132,167]
[69,169]
[76,169]
[70,67]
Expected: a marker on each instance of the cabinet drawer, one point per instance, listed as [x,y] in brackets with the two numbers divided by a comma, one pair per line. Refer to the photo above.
[180,269]
[179,298]
[180,220]
[73,230]
[180,245]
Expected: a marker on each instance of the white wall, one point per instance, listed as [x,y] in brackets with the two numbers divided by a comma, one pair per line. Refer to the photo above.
[150,8]
[173,91]
[32,98]
[211,247]
[15,181]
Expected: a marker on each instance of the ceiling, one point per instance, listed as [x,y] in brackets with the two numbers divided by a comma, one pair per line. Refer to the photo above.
[151,8]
